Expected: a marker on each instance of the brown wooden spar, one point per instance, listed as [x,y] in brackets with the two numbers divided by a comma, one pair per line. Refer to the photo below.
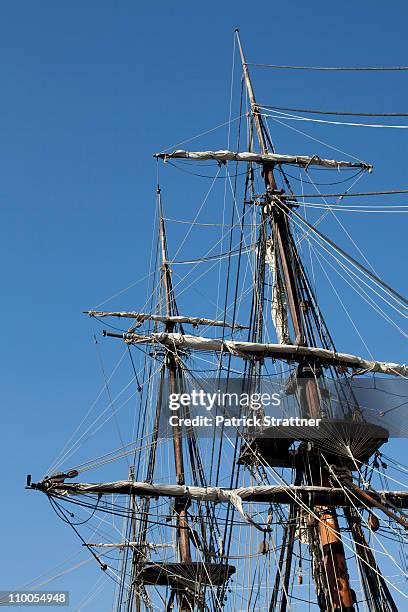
[336,578]
[267,158]
[262,350]
[141,317]
[275,494]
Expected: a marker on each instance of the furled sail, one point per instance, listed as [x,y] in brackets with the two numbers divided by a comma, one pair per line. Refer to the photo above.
[143,316]
[278,351]
[261,493]
[278,307]
[272,158]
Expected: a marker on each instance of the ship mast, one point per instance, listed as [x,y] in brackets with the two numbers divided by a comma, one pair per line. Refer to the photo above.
[337,579]
[180,505]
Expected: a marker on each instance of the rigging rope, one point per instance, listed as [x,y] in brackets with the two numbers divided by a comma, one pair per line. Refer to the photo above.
[352,260]
[348,123]
[344,68]
[350,195]
[321,112]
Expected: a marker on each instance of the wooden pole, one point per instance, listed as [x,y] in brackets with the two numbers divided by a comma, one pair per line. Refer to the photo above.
[329,531]
[185,601]
[135,594]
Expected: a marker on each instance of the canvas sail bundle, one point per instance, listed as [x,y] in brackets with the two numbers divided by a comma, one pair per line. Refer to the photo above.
[277,351]
[272,158]
[278,307]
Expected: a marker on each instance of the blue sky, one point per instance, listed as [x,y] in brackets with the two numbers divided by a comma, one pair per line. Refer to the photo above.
[88,92]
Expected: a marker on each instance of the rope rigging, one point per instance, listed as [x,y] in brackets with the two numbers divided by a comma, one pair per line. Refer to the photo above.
[346,68]
[288,117]
[321,112]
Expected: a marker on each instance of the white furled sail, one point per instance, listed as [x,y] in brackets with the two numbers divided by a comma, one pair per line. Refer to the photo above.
[141,317]
[260,493]
[278,307]
[278,351]
[273,158]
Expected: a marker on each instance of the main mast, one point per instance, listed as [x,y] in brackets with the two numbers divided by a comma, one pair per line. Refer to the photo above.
[331,546]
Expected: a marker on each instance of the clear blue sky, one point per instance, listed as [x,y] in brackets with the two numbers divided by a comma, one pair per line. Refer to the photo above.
[89,90]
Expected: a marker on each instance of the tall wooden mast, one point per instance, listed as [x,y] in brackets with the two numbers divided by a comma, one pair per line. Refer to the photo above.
[337,579]
[181,505]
